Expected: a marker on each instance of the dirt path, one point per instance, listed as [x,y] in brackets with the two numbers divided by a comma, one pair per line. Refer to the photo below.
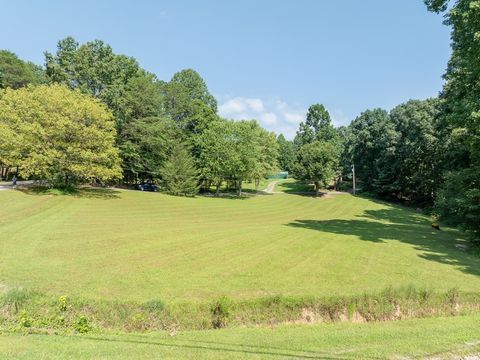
[270,187]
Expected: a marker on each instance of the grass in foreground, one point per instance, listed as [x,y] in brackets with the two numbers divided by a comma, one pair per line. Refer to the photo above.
[128,245]
[434,337]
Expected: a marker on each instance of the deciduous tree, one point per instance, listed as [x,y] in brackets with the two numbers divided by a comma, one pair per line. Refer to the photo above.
[59,135]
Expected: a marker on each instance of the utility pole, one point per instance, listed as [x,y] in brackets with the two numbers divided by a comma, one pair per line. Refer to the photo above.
[353,173]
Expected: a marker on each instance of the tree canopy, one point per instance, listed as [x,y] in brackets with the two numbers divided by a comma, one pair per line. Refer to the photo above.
[16,73]
[59,135]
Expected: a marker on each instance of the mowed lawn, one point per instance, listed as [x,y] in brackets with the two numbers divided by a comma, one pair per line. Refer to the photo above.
[127,245]
[439,338]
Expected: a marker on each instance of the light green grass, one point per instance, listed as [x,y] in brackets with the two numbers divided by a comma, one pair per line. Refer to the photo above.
[127,245]
[434,337]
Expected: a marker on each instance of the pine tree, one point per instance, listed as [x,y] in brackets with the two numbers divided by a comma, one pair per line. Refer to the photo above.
[180,177]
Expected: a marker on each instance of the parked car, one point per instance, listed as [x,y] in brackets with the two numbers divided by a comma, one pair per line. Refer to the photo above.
[146,187]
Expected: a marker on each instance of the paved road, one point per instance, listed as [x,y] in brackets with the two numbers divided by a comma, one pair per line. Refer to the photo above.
[4,185]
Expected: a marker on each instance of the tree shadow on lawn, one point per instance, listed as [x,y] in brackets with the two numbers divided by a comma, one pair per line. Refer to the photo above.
[80,192]
[300,188]
[296,187]
[397,223]
[246,194]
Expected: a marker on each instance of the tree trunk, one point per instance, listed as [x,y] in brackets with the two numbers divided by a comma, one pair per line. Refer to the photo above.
[317,187]
[257,184]
[240,187]
[217,188]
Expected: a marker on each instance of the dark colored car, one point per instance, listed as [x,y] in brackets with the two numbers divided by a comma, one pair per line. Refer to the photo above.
[146,187]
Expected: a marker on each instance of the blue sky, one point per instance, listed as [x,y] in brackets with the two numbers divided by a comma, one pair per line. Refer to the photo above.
[263,59]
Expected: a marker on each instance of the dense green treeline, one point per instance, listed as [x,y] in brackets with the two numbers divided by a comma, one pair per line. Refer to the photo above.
[424,152]
[166,132]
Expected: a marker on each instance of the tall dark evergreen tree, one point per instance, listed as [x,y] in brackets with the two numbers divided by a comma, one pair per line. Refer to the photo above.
[179,175]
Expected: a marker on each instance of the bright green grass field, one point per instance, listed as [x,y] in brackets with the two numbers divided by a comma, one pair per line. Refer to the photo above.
[127,245]
[437,338]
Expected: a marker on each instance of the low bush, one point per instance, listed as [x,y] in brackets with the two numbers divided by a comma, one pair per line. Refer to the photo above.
[82,325]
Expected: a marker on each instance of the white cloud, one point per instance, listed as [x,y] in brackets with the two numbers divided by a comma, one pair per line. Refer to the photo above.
[255,104]
[293,118]
[274,115]
[268,118]
[281,105]
[232,107]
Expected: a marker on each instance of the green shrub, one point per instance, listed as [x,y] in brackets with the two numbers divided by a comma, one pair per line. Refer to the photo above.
[154,305]
[82,325]
[24,320]
[220,311]
[60,320]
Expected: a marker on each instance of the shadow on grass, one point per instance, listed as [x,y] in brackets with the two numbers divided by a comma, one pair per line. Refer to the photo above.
[228,195]
[224,348]
[400,224]
[82,192]
[296,186]
[233,195]
[299,188]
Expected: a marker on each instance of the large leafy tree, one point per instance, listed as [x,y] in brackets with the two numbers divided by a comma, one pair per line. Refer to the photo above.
[148,144]
[416,164]
[92,67]
[247,151]
[460,112]
[188,102]
[117,80]
[399,155]
[286,153]
[315,137]
[266,153]
[59,135]
[216,153]
[317,126]
[371,146]
[191,84]
[130,92]
[16,73]
[317,162]
[236,151]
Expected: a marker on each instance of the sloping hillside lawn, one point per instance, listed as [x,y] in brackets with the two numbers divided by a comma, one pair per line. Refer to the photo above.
[127,245]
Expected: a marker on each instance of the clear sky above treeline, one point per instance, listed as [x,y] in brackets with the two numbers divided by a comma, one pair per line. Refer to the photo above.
[263,59]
